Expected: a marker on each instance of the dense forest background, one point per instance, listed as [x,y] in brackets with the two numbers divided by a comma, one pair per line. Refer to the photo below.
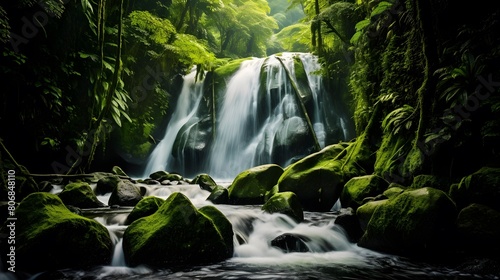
[88,84]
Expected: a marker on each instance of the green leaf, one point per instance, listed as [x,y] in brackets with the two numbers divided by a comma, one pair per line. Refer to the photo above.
[381,7]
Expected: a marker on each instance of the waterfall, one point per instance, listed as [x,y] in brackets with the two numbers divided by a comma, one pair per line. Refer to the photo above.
[186,107]
[259,119]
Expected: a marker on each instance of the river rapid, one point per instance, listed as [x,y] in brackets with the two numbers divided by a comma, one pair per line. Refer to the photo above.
[330,255]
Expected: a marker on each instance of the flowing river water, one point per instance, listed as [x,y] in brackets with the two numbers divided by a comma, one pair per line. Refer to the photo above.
[330,256]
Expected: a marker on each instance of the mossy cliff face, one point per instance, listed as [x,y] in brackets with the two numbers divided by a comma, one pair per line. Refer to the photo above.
[178,234]
[50,237]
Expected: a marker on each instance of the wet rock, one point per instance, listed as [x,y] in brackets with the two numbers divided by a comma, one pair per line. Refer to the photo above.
[106,184]
[317,179]
[365,212]
[147,206]
[431,181]
[349,222]
[393,190]
[159,175]
[219,195]
[205,181]
[179,234]
[414,223]
[285,203]
[359,188]
[125,194]
[250,186]
[478,228]
[483,187]
[50,237]
[80,195]
[290,243]
[292,138]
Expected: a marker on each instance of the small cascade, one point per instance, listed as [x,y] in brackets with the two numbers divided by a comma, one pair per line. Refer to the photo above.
[270,110]
[186,108]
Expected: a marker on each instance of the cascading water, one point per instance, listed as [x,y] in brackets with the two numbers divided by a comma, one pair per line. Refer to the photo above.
[261,116]
[327,254]
[186,108]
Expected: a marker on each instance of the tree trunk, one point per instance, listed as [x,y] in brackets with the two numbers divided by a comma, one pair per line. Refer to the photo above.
[426,91]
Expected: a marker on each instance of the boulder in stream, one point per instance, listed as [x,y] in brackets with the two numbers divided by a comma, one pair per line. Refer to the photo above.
[285,203]
[414,223]
[359,188]
[125,194]
[317,179]
[250,186]
[50,237]
[147,206]
[81,195]
[179,234]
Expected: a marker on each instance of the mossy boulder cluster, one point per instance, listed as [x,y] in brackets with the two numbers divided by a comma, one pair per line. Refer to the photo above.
[178,233]
[49,236]
[420,218]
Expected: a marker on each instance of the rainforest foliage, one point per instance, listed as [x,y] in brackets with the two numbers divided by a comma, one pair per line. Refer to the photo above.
[86,80]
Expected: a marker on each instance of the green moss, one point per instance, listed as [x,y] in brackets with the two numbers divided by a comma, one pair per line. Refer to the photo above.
[413,223]
[316,179]
[50,237]
[250,186]
[359,188]
[229,68]
[205,181]
[285,203]
[482,186]
[80,194]
[178,234]
[219,195]
[147,206]
[391,156]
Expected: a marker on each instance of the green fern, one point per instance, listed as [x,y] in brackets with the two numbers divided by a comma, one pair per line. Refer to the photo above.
[401,119]
[456,84]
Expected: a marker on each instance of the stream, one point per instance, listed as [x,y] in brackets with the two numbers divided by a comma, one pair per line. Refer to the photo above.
[330,256]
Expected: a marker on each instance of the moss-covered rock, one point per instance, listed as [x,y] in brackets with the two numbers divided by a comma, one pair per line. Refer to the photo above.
[205,181]
[431,181]
[478,228]
[416,222]
[178,234]
[219,195]
[49,236]
[147,206]
[365,212]
[285,203]
[107,184]
[393,190]
[81,195]
[483,187]
[317,179]
[159,175]
[125,194]
[250,186]
[359,188]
